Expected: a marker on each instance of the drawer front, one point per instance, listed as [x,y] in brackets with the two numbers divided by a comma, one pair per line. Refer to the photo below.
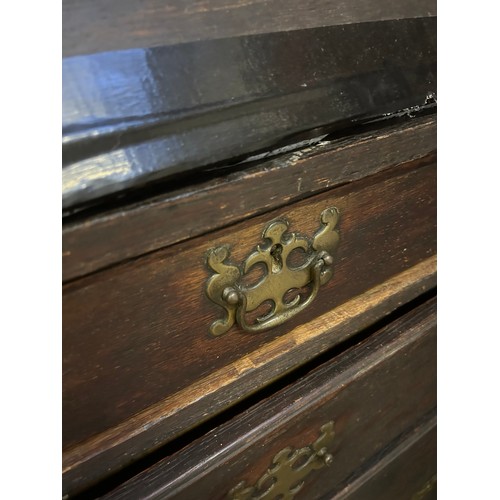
[312,439]
[138,354]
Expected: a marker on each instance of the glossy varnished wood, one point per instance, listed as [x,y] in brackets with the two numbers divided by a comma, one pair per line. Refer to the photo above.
[137,117]
[129,232]
[376,393]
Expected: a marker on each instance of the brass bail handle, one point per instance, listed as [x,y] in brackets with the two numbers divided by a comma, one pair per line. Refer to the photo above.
[225,287]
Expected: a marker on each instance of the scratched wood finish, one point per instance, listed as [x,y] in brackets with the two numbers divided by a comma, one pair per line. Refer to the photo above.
[375,393]
[407,471]
[98,25]
[129,232]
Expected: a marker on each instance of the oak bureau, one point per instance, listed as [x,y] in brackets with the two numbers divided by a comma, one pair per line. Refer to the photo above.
[249,250]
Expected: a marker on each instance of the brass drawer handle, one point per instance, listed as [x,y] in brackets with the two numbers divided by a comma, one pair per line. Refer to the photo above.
[284,479]
[280,278]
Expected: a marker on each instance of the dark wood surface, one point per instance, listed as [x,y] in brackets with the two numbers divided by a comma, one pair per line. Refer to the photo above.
[135,334]
[134,118]
[93,460]
[137,352]
[116,235]
[375,393]
[406,471]
[99,25]
[162,102]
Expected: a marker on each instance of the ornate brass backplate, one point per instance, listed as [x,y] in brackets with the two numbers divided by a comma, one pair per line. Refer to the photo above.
[280,279]
[289,468]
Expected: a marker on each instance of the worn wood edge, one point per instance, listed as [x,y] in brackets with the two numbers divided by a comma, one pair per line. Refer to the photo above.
[97,243]
[184,468]
[96,26]
[173,416]
[419,433]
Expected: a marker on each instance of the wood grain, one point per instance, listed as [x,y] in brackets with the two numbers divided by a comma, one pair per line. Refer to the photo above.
[98,25]
[375,393]
[86,464]
[109,238]
[135,334]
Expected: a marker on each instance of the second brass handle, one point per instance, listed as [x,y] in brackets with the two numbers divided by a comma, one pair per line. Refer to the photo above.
[289,470]
[226,288]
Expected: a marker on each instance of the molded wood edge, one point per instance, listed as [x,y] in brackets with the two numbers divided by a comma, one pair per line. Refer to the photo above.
[130,232]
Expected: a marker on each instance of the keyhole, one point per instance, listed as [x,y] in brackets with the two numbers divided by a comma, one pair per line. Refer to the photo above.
[275,252]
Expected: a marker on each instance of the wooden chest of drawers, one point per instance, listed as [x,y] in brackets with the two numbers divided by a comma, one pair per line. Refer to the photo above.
[245,321]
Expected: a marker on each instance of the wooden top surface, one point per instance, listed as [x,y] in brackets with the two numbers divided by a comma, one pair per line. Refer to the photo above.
[138,117]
